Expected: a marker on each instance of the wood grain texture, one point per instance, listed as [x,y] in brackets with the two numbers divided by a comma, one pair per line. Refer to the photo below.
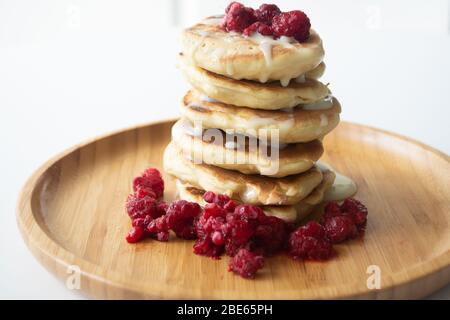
[71,212]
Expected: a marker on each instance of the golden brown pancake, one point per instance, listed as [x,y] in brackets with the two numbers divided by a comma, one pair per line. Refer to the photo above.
[289,213]
[295,125]
[256,58]
[245,154]
[250,94]
[251,189]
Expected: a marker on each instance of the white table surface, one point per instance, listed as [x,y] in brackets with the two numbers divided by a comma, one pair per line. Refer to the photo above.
[71,70]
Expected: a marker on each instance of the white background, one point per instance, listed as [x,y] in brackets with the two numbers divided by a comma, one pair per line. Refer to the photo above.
[71,70]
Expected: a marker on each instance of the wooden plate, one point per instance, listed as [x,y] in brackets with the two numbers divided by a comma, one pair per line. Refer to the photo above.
[71,212]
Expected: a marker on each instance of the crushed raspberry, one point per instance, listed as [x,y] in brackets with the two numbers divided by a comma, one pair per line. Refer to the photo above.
[238,17]
[150,181]
[259,27]
[142,207]
[205,247]
[135,234]
[345,221]
[246,263]
[294,24]
[180,218]
[309,242]
[159,229]
[243,232]
[266,12]
[270,236]
[340,228]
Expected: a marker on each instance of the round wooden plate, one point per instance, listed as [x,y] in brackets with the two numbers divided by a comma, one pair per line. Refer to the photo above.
[71,212]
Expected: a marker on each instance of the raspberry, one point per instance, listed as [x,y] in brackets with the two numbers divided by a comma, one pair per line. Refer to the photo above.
[205,247]
[209,196]
[238,17]
[356,209]
[340,228]
[249,212]
[213,210]
[135,234]
[259,27]
[219,199]
[309,242]
[346,221]
[180,218]
[142,192]
[230,206]
[292,24]
[158,229]
[246,264]
[266,13]
[332,209]
[142,207]
[312,229]
[217,238]
[269,238]
[150,180]
[233,7]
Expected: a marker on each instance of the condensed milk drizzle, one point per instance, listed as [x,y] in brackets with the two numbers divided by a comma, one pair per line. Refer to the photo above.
[342,188]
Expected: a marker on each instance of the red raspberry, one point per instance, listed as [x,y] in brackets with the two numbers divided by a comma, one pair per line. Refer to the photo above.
[233,7]
[249,212]
[142,192]
[213,210]
[135,235]
[217,238]
[269,238]
[309,242]
[238,17]
[312,229]
[267,12]
[259,27]
[150,180]
[230,206]
[158,229]
[205,247]
[356,209]
[292,24]
[340,228]
[209,196]
[180,218]
[332,209]
[142,207]
[219,199]
[246,264]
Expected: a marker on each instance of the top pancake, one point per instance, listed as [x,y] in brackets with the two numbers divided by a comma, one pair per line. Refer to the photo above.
[256,58]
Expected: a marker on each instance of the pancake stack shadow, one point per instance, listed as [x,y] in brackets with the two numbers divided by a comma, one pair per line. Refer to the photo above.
[253,123]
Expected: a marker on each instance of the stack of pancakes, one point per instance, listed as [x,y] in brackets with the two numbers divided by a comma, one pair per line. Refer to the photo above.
[253,124]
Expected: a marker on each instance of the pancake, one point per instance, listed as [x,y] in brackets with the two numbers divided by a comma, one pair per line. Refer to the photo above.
[256,58]
[255,95]
[292,213]
[300,124]
[251,189]
[236,152]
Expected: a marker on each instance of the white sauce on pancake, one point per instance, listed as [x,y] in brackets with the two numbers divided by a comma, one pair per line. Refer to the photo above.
[205,98]
[324,104]
[300,79]
[342,188]
[266,44]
